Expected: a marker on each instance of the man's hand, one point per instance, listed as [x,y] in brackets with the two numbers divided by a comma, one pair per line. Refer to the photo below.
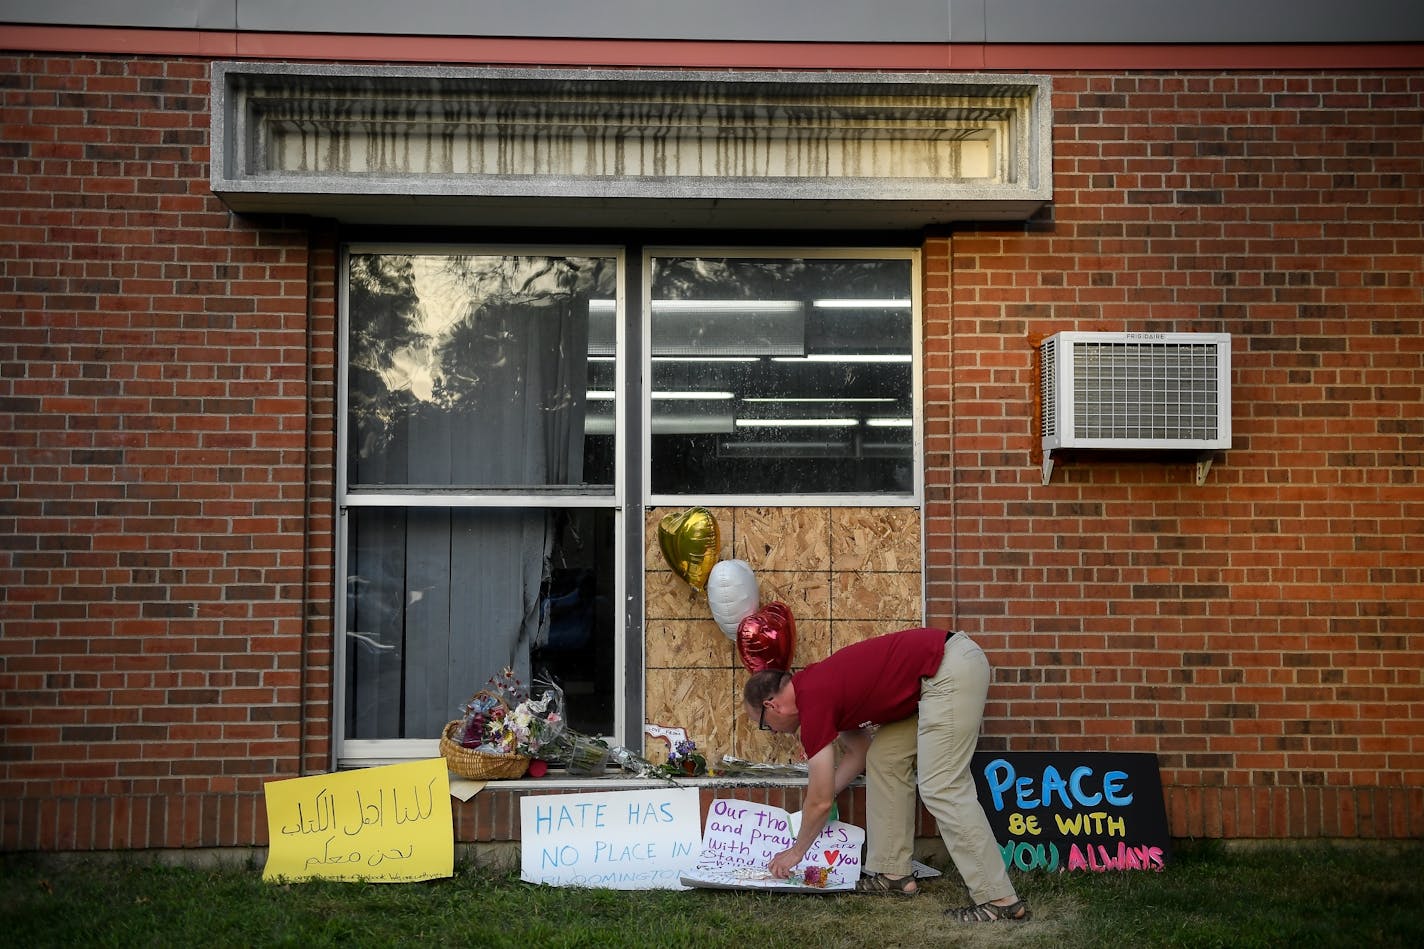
[820,794]
[784,864]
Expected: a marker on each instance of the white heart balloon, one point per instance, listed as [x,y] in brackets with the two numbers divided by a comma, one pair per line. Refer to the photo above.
[732,594]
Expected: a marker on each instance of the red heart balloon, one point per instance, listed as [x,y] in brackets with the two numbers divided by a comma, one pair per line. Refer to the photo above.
[767,638]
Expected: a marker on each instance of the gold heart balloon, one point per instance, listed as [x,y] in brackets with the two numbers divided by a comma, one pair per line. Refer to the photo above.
[690,541]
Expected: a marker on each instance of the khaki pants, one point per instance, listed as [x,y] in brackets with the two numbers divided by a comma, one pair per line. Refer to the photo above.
[941,739]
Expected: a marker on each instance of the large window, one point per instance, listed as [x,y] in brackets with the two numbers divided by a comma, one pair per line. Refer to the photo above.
[479,503]
[486,456]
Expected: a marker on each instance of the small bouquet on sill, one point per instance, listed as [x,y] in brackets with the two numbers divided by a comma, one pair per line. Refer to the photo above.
[503,728]
[683,759]
[583,755]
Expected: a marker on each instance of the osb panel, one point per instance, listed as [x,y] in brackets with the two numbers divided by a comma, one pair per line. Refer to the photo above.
[783,538]
[813,642]
[667,596]
[847,574]
[856,595]
[699,700]
[876,538]
[684,644]
[808,595]
[845,633]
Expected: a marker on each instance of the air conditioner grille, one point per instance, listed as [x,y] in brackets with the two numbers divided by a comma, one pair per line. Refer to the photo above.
[1048,386]
[1142,390]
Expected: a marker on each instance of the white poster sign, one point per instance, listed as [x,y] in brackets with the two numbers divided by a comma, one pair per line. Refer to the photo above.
[617,840]
[742,837]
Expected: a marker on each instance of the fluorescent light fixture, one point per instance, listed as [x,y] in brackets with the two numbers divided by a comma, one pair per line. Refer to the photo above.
[691,424]
[797,422]
[818,399]
[861,304]
[781,449]
[889,422]
[699,396]
[705,358]
[847,357]
[701,306]
[730,306]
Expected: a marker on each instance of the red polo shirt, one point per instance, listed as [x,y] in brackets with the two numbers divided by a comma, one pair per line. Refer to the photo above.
[866,683]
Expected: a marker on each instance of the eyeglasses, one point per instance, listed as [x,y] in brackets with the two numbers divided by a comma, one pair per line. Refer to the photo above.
[761,722]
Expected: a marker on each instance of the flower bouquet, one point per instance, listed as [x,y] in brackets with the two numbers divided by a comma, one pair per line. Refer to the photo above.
[683,759]
[583,755]
[502,729]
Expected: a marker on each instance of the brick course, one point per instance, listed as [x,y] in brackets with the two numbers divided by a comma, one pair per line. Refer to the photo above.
[167,395]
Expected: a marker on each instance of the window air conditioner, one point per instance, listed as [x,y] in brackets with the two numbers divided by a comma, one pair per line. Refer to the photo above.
[1136,391]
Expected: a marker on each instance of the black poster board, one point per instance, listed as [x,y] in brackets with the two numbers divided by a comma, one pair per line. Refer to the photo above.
[1093,811]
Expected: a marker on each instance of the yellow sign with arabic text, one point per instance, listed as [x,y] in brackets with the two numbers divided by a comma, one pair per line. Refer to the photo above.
[379,825]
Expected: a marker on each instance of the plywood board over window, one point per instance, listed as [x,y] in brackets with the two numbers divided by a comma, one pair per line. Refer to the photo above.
[847,573]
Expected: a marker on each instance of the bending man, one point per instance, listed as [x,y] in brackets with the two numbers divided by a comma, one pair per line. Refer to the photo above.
[895,701]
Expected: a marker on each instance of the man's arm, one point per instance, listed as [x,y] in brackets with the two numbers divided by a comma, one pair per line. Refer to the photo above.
[824,781]
[852,764]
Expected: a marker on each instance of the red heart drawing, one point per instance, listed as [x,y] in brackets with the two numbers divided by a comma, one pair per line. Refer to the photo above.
[831,856]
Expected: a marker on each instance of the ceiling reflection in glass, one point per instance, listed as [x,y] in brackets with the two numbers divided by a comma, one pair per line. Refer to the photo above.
[782,375]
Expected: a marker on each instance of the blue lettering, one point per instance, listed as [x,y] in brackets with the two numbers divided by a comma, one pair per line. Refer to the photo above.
[1087,800]
[1023,790]
[560,856]
[643,813]
[1028,794]
[1112,787]
[1053,783]
[1000,775]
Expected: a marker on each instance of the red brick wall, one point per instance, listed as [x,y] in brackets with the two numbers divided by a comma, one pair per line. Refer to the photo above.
[153,439]
[1263,632]
[166,516]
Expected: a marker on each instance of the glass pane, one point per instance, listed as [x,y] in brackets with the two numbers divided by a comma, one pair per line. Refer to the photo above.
[441,599]
[479,371]
[782,376]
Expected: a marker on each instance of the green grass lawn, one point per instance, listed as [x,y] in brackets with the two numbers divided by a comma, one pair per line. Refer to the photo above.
[1357,894]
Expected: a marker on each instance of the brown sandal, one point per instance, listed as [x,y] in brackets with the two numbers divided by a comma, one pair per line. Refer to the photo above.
[879,884]
[1015,912]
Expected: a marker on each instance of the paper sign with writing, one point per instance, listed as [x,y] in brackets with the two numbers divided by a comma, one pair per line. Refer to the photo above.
[1091,811]
[617,840]
[741,837]
[382,825]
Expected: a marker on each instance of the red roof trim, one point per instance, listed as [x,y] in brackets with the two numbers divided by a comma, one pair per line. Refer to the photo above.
[506,51]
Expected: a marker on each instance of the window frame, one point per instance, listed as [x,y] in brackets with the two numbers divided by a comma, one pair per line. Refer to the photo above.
[359,753]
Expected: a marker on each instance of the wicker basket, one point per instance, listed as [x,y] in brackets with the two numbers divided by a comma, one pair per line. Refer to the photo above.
[478,765]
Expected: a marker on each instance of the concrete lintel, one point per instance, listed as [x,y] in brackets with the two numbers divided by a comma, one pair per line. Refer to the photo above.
[630,147]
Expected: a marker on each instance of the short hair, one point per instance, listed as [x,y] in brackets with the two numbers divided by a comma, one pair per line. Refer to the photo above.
[763,685]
